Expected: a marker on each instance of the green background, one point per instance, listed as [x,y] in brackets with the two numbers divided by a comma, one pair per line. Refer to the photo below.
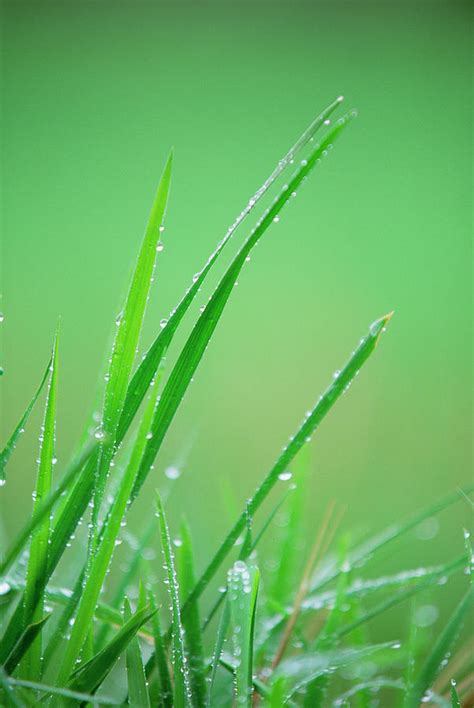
[94,94]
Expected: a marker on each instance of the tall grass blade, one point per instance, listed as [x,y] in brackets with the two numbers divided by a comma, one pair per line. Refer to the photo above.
[442,646]
[64,692]
[33,600]
[200,336]
[164,678]
[137,688]
[182,682]
[243,584]
[311,423]
[192,624]
[129,325]
[147,368]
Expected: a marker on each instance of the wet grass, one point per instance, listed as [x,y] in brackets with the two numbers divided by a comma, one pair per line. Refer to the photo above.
[303,639]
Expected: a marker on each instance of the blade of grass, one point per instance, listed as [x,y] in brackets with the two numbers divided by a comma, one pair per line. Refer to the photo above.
[455,702]
[64,692]
[200,336]
[8,693]
[165,686]
[192,624]
[243,583]
[129,325]
[39,540]
[24,643]
[146,370]
[310,424]
[442,646]
[137,687]
[182,684]
[5,454]
[105,548]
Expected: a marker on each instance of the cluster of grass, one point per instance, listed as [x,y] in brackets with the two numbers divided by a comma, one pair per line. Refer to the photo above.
[301,639]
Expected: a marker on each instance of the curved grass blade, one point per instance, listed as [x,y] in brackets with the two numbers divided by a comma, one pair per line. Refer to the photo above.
[147,368]
[129,326]
[243,581]
[64,692]
[25,641]
[11,696]
[165,686]
[105,548]
[44,507]
[137,688]
[442,646]
[192,624]
[182,683]
[5,454]
[200,336]
[37,561]
[311,423]
[88,677]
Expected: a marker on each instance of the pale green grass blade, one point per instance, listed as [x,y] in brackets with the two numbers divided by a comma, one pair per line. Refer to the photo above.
[220,639]
[201,334]
[442,646]
[5,454]
[192,624]
[311,423]
[37,561]
[147,368]
[165,685]
[88,677]
[11,696]
[243,581]
[137,688]
[64,692]
[106,543]
[182,682]
[44,507]
[27,637]
[129,325]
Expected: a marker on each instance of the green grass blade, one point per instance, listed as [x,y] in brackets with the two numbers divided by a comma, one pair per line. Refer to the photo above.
[243,591]
[192,624]
[165,685]
[37,561]
[147,368]
[44,507]
[10,695]
[442,646]
[182,683]
[88,677]
[455,701]
[105,548]
[220,639]
[137,688]
[310,424]
[27,637]
[5,454]
[201,334]
[64,692]
[129,326]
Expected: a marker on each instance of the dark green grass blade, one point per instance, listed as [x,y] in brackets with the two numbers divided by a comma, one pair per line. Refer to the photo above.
[88,677]
[243,591]
[64,692]
[182,683]
[200,336]
[37,561]
[192,624]
[165,686]
[5,454]
[25,641]
[129,326]
[148,367]
[105,548]
[311,423]
[455,702]
[44,508]
[442,646]
[137,688]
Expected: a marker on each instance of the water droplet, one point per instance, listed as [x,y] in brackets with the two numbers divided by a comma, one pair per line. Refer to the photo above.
[4,588]
[1,317]
[336,374]
[276,219]
[163,323]
[172,472]
[159,246]
[284,476]
[149,435]
[161,229]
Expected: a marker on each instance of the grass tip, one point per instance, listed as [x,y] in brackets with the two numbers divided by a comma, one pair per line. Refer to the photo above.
[380,325]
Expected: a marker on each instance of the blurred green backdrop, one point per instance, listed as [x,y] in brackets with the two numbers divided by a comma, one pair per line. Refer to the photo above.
[95,93]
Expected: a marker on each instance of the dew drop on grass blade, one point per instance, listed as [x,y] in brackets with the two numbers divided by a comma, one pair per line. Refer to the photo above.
[182,682]
[148,366]
[137,686]
[33,599]
[5,454]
